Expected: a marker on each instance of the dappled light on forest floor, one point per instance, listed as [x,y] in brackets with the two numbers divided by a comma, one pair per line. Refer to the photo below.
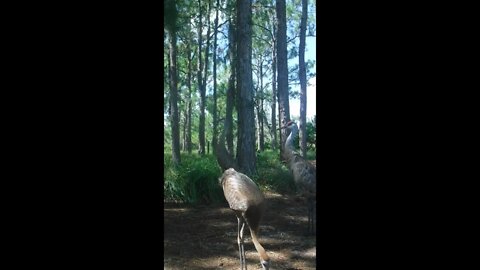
[205,237]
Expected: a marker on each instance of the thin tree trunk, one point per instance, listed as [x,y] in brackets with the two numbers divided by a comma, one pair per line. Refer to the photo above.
[259,105]
[232,49]
[214,137]
[261,133]
[189,109]
[201,127]
[257,112]
[274,87]
[184,129]
[204,86]
[246,156]
[282,75]
[303,81]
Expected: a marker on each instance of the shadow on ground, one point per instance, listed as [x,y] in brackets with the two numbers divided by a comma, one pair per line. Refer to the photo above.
[205,237]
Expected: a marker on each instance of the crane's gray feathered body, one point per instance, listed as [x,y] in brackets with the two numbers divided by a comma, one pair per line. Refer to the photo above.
[304,173]
[247,201]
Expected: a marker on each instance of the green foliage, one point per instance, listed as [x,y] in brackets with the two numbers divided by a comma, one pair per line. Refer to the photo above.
[312,133]
[194,180]
[273,174]
[311,155]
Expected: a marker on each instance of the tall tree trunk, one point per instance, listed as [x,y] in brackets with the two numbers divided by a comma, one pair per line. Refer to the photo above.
[261,133]
[184,129]
[246,157]
[303,80]
[201,126]
[189,109]
[214,137]
[231,90]
[204,86]
[282,75]
[207,47]
[259,105]
[172,42]
[274,86]
[257,111]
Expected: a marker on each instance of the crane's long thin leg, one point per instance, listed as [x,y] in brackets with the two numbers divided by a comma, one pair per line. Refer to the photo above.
[241,250]
[239,243]
[314,212]
[313,217]
[310,220]
[243,246]
[309,210]
[311,226]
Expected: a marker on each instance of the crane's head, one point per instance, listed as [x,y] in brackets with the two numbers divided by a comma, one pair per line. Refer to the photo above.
[289,125]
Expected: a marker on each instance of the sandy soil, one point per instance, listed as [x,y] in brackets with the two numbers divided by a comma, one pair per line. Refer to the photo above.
[205,237]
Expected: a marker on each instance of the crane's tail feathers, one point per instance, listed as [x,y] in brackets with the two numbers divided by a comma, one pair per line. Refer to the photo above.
[253,216]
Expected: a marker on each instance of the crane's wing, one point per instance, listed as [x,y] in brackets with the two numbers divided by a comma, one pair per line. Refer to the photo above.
[240,191]
[305,175]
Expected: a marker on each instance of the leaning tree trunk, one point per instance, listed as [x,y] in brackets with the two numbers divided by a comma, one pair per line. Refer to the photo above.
[282,75]
[246,131]
[303,81]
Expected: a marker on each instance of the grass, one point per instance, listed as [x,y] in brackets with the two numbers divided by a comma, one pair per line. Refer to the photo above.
[195,180]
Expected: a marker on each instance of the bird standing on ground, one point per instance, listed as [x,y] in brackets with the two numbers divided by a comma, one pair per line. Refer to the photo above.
[247,201]
[304,173]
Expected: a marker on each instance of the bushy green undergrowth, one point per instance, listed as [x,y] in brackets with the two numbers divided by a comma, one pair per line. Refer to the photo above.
[272,173]
[196,178]
[311,155]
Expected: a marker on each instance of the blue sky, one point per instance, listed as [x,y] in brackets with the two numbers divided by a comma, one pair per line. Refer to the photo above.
[310,54]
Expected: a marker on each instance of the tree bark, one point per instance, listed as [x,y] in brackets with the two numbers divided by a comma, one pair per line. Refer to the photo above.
[204,86]
[274,86]
[262,131]
[282,74]
[246,156]
[201,125]
[214,137]
[303,81]
[232,49]
[172,42]
[189,109]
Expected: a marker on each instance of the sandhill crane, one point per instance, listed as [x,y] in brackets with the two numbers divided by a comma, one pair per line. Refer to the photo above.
[248,203]
[304,173]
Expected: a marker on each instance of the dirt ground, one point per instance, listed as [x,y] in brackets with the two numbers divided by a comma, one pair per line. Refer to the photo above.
[205,237]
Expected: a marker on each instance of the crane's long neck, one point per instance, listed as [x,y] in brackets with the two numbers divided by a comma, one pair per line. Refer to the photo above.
[291,138]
